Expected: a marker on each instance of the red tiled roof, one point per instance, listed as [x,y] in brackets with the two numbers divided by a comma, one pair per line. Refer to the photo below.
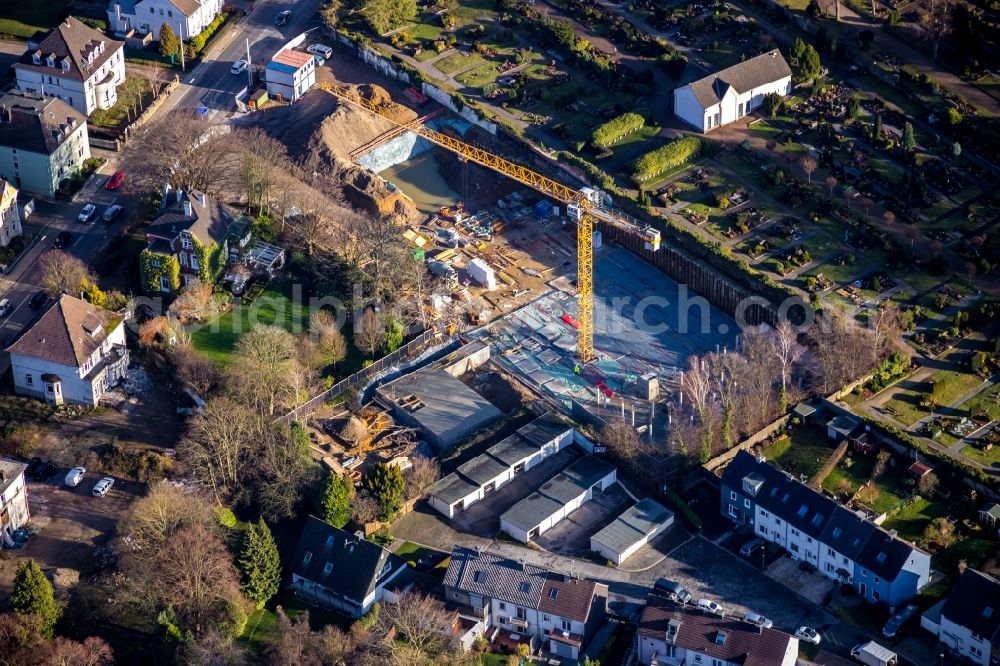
[296,59]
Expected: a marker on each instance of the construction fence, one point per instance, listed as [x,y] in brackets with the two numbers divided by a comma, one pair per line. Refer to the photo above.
[360,377]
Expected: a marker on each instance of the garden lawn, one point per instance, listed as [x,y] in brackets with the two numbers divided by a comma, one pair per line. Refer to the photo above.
[950,386]
[912,519]
[803,452]
[990,458]
[262,626]
[274,306]
[23,19]
[986,402]
[906,406]
[458,62]
[117,115]
[478,77]
[426,31]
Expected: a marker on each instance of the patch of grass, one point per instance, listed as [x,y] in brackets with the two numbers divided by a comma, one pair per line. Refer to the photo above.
[803,452]
[974,550]
[985,402]
[458,62]
[990,458]
[950,385]
[478,77]
[427,31]
[912,519]
[274,307]
[905,407]
[262,627]
[24,19]
[117,115]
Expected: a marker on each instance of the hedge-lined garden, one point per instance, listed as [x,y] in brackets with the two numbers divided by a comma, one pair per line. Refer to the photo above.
[617,129]
[672,155]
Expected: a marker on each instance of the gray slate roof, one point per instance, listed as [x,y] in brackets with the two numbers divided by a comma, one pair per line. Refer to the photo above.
[974,603]
[557,492]
[495,576]
[745,76]
[531,511]
[74,41]
[512,450]
[36,124]
[633,525]
[209,223]
[482,469]
[452,488]
[358,565]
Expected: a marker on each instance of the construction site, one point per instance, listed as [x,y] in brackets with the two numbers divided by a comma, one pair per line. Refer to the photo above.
[503,255]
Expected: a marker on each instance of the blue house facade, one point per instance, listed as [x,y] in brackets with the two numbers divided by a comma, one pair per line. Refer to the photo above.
[813,528]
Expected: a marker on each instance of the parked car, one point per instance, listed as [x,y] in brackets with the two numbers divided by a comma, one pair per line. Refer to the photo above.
[117,180]
[898,619]
[5,307]
[710,606]
[671,590]
[102,487]
[43,471]
[283,18]
[319,60]
[62,240]
[75,476]
[87,213]
[751,546]
[38,300]
[321,49]
[238,67]
[808,634]
[113,212]
[758,620]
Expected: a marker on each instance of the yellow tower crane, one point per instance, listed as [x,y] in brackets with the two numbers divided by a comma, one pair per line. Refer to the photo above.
[583,205]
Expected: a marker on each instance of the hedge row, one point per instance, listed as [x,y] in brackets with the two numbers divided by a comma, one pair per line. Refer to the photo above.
[673,154]
[685,511]
[198,42]
[617,129]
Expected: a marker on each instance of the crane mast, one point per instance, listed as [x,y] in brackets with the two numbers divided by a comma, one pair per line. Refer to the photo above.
[584,206]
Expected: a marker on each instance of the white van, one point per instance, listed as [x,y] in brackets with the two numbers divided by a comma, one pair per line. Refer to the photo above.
[321,49]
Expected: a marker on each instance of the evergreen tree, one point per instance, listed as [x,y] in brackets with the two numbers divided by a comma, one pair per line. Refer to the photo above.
[853,107]
[385,483]
[877,134]
[260,564]
[393,335]
[170,43]
[909,143]
[336,502]
[33,595]
[804,61]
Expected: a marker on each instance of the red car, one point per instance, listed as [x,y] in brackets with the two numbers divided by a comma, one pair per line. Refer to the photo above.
[116,180]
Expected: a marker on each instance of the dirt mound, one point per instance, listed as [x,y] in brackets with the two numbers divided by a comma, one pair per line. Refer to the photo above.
[348,128]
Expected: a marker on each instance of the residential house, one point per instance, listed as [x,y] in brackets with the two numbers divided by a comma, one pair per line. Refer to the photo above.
[74,353]
[10,218]
[968,621]
[728,95]
[519,600]
[336,569]
[990,515]
[675,634]
[13,499]
[43,141]
[186,18]
[812,527]
[290,74]
[499,464]
[187,241]
[76,64]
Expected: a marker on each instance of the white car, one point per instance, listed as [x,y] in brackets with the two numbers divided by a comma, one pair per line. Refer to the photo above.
[75,476]
[102,487]
[238,67]
[5,307]
[808,634]
[759,620]
[710,606]
[321,49]
[87,213]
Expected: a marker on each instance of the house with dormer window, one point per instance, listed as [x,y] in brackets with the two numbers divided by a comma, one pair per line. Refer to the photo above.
[811,527]
[74,63]
[74,353]
[335,569]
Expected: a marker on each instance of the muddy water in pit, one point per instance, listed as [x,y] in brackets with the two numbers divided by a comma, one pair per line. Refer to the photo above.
[420,179]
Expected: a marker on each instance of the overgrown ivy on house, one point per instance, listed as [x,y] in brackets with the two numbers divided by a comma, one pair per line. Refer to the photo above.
[150,273]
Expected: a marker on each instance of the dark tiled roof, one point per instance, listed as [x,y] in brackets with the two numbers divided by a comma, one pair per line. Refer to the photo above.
[633,525]
[557,492]
[36,124]
[974,603]
[67,334]
[482,469]
[847,533]
[700,630]
[355,565]
[495,576]
[760,70]
[75,41]
[208,222]
[452,488]
[512,450]
[885,555]
[571,599]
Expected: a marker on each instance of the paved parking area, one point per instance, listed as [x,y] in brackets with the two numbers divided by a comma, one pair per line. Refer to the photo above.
[572,534]
[483,517]
[810,584]
[71,522]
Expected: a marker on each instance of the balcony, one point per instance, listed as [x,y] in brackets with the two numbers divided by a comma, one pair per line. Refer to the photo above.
[470,612]
[518,622]
[111,367]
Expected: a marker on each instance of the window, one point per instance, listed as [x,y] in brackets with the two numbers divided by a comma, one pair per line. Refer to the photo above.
[567,625]
[161,12]
[795,532]
[777,521]
[186,242]
[876,580]
[803,510]
[795,547]
[732,494]
[545,617]
[829,551]
[836,532]
[763,531]
[809,540]
[477,577]
[503,606]
[170,13]
[976,637]
[307,558]
[746,503]
[194,261]
[328,567]
[732,510]
[28,380]
[156,262]
[553,593]
[864,573]
[763,514]
[521,613]
[976,652]
[875,595]
[152,11]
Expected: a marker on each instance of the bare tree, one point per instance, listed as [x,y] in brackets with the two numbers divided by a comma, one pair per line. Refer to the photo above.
[762,373]
[281,469]
[329,339]
[885,323]
[422,473]
[199,372]
[809,165]
[63,273]
[261,373]
[725,369]
[296,644]
[621,438]
[934,21]
[364,508]
[866,204]
[787,351]
[182,151]
[421,622]
[970,270]
[368,331]
[889,218]
[696,385]
[93,651]
[262,158]
[831,183]
[195,303]
[380,238]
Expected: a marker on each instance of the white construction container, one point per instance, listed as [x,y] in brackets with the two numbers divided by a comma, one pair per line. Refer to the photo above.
[482,273]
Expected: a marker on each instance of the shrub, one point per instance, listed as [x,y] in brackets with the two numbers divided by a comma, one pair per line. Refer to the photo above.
[617,129]
[227,518]
[673,154]
[689,516]
[198,42]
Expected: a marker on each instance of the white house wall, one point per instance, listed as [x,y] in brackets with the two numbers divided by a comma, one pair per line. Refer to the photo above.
[960,639]
[727,110]
[687,108]
[150,15]
[15,503]
[84,96]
